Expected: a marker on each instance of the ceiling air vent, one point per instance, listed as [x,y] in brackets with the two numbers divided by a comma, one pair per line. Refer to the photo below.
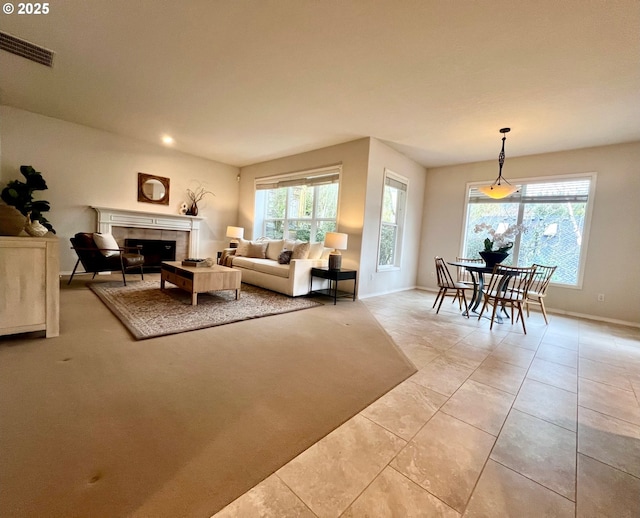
[25,49]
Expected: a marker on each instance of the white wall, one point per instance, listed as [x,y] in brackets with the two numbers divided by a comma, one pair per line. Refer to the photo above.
[84,167]
[612,265]
[372,282]
[363,164]
[353,183]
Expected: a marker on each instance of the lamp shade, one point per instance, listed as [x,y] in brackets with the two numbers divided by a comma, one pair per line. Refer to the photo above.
[498,191]
[235,232]
[335,240]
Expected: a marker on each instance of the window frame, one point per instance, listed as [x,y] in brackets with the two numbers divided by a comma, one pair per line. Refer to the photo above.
[400,222]
[316,177]
[591,176]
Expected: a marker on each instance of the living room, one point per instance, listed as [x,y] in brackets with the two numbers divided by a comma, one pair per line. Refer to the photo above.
[91,158]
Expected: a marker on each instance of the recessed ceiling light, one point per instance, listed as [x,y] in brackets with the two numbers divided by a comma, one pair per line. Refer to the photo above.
[168,140]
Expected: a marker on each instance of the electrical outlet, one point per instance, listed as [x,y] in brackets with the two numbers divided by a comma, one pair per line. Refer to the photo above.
[600,297]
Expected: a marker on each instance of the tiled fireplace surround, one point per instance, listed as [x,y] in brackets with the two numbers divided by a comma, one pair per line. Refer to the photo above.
[130,224]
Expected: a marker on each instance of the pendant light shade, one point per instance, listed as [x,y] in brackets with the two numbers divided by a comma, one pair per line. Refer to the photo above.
[501,188]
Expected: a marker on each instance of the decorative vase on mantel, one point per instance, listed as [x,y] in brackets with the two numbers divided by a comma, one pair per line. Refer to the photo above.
[193,210]
[492,258]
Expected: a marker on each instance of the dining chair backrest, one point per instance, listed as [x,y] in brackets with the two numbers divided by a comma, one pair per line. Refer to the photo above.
[541,279]
[444,277]
[464,275]
[510,283]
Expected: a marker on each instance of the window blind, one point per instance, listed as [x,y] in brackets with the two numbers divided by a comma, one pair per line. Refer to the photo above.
[313,177]
[572,191]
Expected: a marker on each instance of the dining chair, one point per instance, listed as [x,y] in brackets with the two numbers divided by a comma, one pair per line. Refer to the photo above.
[508,287]
[446,283]
[538,289]
[464,275]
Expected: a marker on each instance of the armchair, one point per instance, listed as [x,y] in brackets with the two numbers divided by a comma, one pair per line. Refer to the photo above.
[95,259]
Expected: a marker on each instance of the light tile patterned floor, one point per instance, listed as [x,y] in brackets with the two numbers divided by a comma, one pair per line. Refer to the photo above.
[494,423]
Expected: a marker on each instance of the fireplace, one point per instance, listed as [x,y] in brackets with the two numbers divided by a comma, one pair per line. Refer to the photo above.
[155,251]
[132,224]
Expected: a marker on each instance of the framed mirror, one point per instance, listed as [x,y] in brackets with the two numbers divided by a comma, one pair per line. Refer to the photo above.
[153,189]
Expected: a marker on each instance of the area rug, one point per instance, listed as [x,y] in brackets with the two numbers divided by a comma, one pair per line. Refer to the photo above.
[148,312]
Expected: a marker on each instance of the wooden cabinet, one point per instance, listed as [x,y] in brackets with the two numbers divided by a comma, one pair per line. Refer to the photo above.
[29,285]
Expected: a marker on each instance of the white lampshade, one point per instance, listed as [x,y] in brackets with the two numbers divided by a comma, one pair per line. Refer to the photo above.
[335,240]
[235,232]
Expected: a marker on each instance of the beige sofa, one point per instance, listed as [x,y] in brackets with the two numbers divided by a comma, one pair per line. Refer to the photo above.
[258,261]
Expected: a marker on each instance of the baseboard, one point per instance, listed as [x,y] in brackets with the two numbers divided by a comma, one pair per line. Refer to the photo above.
[567,313]
[379,293]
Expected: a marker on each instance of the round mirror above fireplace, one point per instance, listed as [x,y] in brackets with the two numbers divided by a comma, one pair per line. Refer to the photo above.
[153,189]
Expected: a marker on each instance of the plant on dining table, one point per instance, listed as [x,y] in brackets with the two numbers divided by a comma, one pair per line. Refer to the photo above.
[499,241]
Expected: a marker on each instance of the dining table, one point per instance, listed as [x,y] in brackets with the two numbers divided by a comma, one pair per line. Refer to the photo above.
[477,272]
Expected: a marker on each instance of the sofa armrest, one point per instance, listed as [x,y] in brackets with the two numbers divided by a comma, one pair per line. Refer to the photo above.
[302,267]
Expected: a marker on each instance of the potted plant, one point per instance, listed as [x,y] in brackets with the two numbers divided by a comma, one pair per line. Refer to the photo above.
[19,194]
[498,244]
[194,197]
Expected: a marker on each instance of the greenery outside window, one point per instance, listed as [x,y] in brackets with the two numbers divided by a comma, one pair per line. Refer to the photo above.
[555,212]
[301,205]
[392,217]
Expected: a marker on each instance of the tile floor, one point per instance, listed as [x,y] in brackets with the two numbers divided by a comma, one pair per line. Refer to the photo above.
[493,424]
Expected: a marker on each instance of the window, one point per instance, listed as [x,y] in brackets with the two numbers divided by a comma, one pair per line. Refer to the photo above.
[555,213]
[302,205]
[394,201]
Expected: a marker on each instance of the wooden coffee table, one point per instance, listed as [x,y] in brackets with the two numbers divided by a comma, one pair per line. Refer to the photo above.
[200,279]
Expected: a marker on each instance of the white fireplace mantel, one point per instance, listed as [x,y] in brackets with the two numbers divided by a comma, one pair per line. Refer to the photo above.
[109,217]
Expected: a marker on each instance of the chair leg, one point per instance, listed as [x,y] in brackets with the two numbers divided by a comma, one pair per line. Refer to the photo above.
[544,311]
[524,328]
[493,314]
[74,271]
[444,293]
[440,294]
[464,299]
[437,297]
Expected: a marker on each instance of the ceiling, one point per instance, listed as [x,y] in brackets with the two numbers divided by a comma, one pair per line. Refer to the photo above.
[244,81]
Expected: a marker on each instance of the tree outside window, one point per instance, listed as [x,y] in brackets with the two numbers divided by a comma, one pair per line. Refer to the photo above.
[555,215]
[394,199]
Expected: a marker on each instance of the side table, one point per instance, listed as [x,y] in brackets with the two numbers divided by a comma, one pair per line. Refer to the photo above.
[334,276]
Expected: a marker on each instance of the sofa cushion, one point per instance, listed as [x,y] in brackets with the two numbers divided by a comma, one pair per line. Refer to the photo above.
[271,267]
[243,247]
[274,248]
[243,262]
[257,249]
[107,244]
[315,250]
[301,250]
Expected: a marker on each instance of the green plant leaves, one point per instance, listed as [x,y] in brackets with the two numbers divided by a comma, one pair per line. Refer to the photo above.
[19,194]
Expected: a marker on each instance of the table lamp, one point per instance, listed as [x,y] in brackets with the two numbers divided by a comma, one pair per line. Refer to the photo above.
[235,233]
[337,241]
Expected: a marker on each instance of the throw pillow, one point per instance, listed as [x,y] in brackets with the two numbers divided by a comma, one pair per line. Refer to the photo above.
[106,241]
[274,249]
[300,251]
[315,250]
[257,250]
[243,247]
[285,257]
[289,244]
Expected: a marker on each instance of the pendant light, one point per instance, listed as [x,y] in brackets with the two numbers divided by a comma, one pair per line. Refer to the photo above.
[501,188]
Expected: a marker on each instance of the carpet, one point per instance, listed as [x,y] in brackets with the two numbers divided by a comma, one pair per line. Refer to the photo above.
[148,312]
[97,424]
